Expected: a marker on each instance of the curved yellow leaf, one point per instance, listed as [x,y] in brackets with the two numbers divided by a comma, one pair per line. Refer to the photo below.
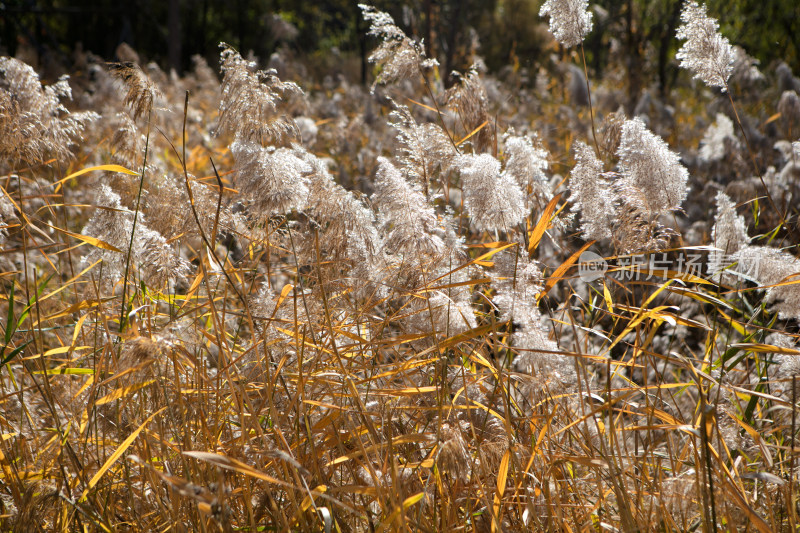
[109,168]
[89,240]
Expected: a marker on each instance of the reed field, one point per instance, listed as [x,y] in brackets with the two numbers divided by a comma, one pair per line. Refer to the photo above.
[241,300]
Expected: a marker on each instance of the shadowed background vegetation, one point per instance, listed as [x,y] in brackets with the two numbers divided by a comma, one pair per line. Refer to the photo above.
[508,32]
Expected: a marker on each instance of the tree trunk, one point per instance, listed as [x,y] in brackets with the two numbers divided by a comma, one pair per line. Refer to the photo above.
[634,59]
[174,35]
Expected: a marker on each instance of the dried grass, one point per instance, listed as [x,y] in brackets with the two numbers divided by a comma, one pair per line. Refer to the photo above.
[291,354]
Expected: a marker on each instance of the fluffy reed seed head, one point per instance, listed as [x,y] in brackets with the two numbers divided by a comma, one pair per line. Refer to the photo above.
[789,108]
[34,123]
[647,164]
[405,213]
[526,163]
[469,99]
[424,148]
[730,231]
[6,215]
[706,53]
[778,272]
[570,21]
[591,194]
[349,225]
[142,93]
[248,109]
[398,56]
[112,223]
[718,140]
[492,198]
[274,180]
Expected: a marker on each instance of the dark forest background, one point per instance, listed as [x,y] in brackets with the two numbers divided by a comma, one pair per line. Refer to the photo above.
[504,32]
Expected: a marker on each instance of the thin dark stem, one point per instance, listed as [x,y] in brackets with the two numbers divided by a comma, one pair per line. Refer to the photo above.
[206,241]
[589,93]
[123,316]
[706,411]
[790,504]
[439,113]
[755,165]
